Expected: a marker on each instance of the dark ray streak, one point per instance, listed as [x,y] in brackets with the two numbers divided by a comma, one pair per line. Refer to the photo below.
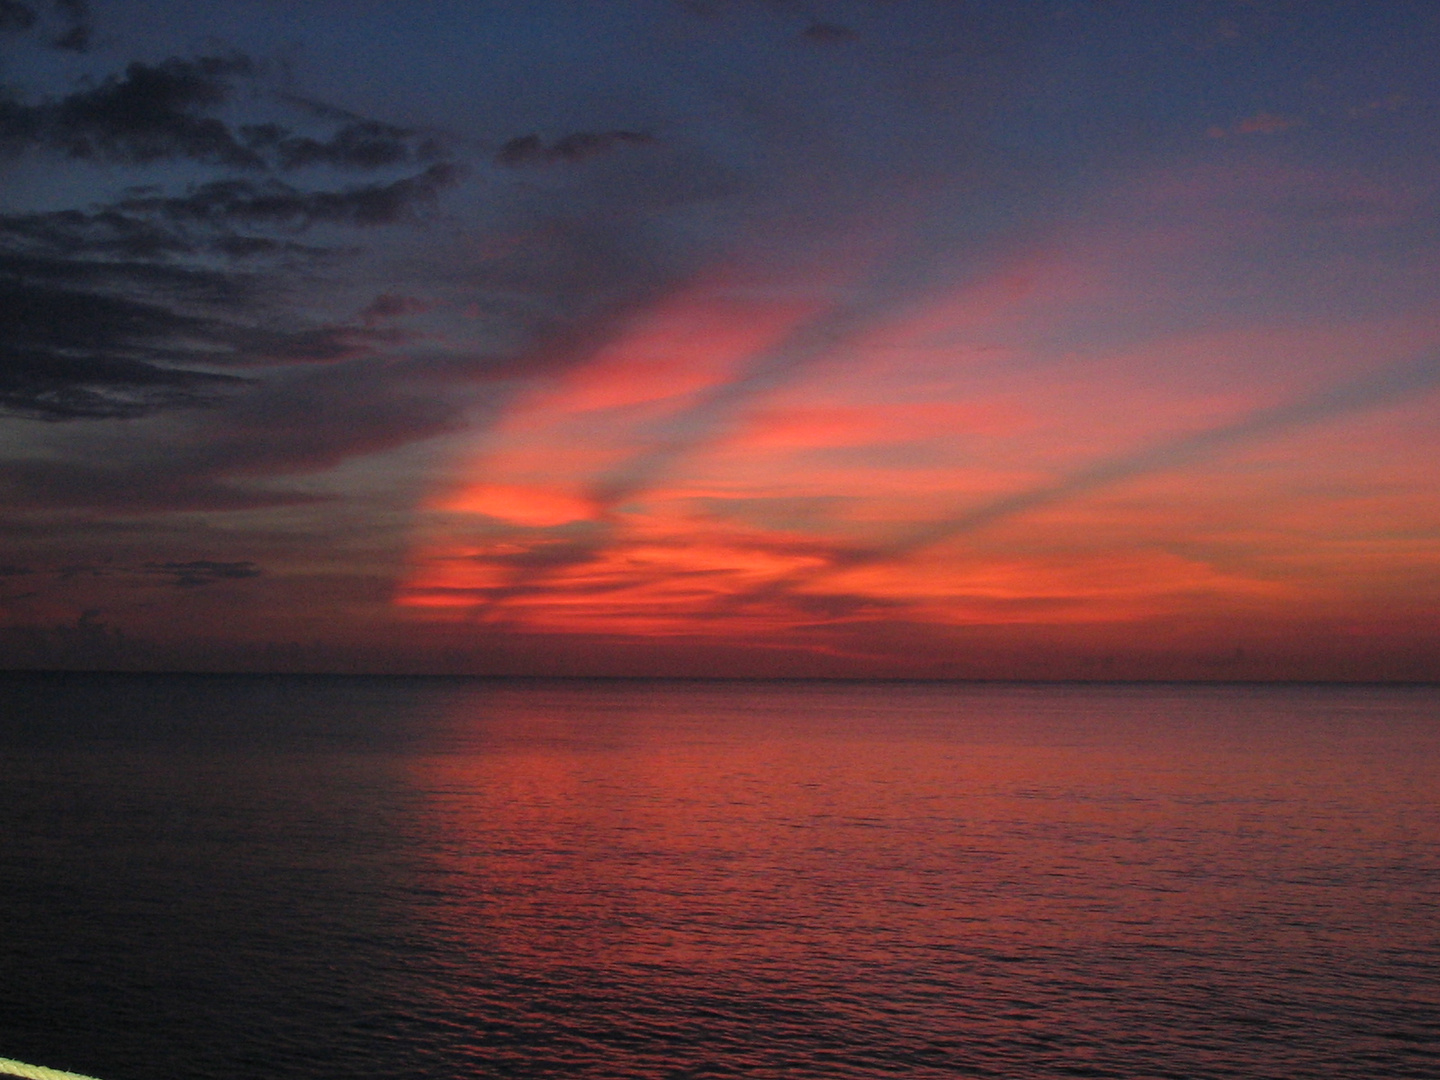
[903,281]
[1388,388]
[898,284]
[939,236]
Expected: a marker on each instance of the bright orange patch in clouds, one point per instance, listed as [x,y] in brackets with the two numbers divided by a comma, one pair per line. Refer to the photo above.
[811,506]
[533,506]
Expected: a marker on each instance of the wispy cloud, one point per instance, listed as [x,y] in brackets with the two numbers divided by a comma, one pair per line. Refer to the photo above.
[1375,391]
[198,572]
[575,147]
[1261,123]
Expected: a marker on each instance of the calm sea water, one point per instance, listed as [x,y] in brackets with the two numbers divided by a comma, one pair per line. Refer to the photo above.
[209,878]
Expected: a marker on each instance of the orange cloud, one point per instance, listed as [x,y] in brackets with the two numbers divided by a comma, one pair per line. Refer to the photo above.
[686,343]
[532,506]
[1074,371]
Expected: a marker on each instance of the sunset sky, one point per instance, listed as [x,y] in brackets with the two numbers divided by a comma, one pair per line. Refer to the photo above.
[905,338]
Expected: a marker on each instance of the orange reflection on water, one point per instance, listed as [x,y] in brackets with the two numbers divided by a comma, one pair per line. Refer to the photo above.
[858,845]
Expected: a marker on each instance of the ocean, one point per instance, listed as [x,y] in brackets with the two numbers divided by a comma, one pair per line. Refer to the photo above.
[232,878]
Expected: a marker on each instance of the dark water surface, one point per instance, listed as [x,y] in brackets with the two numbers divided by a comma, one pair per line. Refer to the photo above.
[210,878]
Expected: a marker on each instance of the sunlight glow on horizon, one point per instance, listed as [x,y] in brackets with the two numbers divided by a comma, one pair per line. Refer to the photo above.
[778,519]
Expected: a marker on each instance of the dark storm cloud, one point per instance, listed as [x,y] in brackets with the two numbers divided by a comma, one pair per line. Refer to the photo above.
[193,282]
[69,353]
[86,319]
[229,204]
[152,112]
[578,146]
[360,144]
[156,112]
[47,318]
[107,233]
[76,36]
[295,422]
[123,308]
[230,217]
[16,16]
[74,33]
[47,388]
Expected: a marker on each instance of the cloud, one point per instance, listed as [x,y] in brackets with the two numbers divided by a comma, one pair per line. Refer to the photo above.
[901,279]
[71,352]
[15,16]
[293,422]
[127,307]
[313,419]
[388,306]
[153,112]
[360,144]
[68,352]
[162,111]
[228,204]
[184,292]
[76,37]
[1375,391]
[576,147]
[46,388]
[18,17]
[189,575]
[914,262]
[33,484]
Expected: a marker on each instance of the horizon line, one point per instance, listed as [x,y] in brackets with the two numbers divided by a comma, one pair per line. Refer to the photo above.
[847,679]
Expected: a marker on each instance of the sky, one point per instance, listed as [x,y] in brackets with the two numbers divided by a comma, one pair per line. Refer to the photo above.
[1053,339]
